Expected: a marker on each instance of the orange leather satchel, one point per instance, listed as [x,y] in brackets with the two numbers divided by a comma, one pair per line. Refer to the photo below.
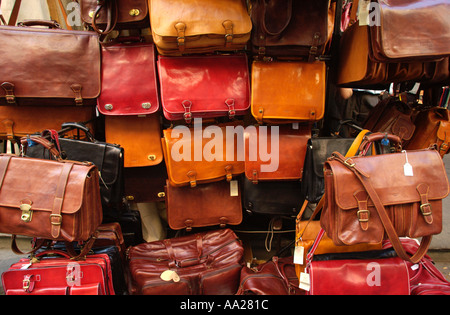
[293,91]
[189,156]
[287,152]
[201,26]
[189,207]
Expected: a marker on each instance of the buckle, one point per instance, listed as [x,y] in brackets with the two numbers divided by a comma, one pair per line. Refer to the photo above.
[363,220]
[347,163]
[57,216]
[422,209]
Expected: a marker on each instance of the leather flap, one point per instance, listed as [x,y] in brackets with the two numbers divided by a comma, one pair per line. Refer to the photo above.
[443,132]
[286,152]
[302,98]
[164,14]
[50,62]
[427,34]
[386,174]
[124,69]
[125,13]
[36,180]
[322,148]
[207,82]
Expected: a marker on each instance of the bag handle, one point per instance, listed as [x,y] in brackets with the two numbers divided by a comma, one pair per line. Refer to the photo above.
[387,224]
[48,23]
[111,14]
[42,141]
[263,18]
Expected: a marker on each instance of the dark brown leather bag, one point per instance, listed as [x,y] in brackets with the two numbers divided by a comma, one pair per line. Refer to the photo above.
[368,196]
[54,67]
[207,263]
[55,200]
[217,203]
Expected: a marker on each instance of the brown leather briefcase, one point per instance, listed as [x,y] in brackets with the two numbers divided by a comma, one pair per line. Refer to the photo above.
[52,66]
[189,207]
[207,263]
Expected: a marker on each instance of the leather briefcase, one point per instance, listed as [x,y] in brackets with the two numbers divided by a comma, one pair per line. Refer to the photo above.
[275,277]
[46,274]
[207,263]
[291,28]
[188,169]
[432,127]
[185,27]
[303,99]
[107,157]
[189,207]
[139,136]
[55,66]
[114,14]
[406,186]
[204,86]
[378,272]
[125,67]
[287,145]
[60,200]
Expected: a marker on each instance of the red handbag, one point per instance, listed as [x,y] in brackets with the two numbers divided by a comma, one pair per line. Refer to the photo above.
[129,84]
[204,86]
[383,273]
[48,275]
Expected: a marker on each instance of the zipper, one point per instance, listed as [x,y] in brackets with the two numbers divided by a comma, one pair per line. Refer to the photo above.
[215,272]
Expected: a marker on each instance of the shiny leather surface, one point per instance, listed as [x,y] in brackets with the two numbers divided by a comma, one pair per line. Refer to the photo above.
[51,62]
[204,30]
[302,99]
[125,67]
[291,152]
[398,193]
[208,263]
[81,208]
[138,136]
[190,172]
[207,82]
[191,207]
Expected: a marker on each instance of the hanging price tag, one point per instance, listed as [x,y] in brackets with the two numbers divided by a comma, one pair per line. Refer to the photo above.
[298,255]
[305,283]
[407,168]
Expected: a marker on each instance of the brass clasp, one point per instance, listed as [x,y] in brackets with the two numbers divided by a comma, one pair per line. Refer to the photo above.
[27,213]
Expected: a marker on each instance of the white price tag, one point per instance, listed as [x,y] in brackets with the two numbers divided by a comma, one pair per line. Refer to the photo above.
[298,255]
[407,168]
[304,281]
[234,189]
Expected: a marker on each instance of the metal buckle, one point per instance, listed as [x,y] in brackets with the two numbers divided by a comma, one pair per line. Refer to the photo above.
[424,205]
[26,284]
[363,220]
[58,216]
[347,163]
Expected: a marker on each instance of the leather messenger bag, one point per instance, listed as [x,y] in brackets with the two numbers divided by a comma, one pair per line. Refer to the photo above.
[53,67]
[54,200]
[397,194]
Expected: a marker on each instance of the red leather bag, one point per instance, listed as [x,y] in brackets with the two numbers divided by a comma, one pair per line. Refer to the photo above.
[129,84]
[355,276]
[49,275]
[207,263]
[204,86]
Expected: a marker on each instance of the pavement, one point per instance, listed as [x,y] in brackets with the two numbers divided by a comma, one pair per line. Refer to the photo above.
[439,250]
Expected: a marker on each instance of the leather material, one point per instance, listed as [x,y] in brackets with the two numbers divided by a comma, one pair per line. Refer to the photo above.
[432,127]
[59,276]
[118,14]
[275,277]
[65,198]
[207,263]
[204,86]
[145,184]
[191,207]
[272,197]
[179,27]
[190,170]
[138,136]
[302,99]
[55,67]
[291,152]
[21,121]
[411,206]
[317,152]
[124,67]
[290,28]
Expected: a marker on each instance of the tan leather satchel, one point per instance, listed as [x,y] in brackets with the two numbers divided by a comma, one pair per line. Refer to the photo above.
[396,194]
[194,207]
[201,26]
[293,91]
[55,200]
[194,155]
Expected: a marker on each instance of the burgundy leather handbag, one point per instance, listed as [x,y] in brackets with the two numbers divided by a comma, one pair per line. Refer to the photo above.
[207,263]
[204,86]
[129,84]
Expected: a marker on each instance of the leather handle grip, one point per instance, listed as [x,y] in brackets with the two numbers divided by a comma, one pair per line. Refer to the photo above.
[378,136]
[42,141]
[49,24]
[53,252]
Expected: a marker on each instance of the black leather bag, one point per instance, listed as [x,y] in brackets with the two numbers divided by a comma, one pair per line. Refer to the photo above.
[107,157]
[272,197]
[317,152]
